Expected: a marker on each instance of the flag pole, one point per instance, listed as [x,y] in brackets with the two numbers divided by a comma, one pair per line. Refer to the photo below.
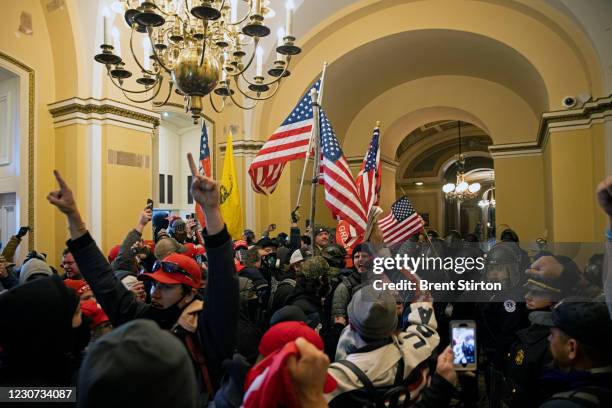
[315,164]
[299,197]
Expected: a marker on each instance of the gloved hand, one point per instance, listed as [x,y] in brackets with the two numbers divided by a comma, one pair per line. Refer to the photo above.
[22,232]
[295,215]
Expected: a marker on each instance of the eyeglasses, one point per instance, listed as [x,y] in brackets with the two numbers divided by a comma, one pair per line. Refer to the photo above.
[170,267]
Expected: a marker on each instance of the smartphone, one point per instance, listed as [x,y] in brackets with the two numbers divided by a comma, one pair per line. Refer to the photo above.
[307,223]
[149,204]
[463,343]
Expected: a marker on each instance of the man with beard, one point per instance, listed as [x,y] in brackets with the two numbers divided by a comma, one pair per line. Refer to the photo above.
[580,338]
[208,329]
[321,239]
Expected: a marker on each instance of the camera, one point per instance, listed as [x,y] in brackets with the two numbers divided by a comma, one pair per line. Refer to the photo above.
[569,102]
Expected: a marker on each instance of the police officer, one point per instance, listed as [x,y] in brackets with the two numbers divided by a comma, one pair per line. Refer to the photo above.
[502,313]
[530,353]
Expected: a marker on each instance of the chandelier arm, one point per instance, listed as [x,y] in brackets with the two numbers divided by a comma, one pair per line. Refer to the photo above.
[256,98]
[155,55]
[187,12]
[240,105]
[127,90]
[170,87]
[276,80]
[161,10]
[212,103]
[146,100]
[134,54]
[242,20]
[255,43]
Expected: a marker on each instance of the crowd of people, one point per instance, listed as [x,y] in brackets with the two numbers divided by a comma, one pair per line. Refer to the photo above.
[192,318]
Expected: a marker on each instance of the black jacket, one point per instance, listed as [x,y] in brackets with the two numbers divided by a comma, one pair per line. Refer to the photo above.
[581,388]
[217,323]
[526,360]
[36,335]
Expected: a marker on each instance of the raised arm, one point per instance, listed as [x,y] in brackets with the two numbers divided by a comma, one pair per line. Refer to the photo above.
[119,304]
[604,197]
[125,259]
[219,320]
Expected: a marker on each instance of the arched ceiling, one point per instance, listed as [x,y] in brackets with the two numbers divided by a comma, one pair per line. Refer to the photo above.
[428,148]
[387,62]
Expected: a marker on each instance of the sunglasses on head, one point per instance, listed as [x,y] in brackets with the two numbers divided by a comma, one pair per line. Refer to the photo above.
[170,267]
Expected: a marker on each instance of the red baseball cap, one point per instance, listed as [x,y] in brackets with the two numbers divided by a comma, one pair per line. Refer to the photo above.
[79,285]
[192,250]
[177,269]
[113,253]
[285,332]
[240,243]
[92,309]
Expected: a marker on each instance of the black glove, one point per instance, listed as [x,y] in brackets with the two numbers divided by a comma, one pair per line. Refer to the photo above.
[22,232]
[294,215]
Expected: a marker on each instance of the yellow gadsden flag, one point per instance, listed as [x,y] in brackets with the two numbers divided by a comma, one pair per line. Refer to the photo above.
[230,196]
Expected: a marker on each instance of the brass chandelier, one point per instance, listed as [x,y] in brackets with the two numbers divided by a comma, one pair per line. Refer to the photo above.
[461,190]
[200,47]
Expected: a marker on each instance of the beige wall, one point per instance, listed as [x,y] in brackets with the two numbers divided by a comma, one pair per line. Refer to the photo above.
[576,163]
[519,193]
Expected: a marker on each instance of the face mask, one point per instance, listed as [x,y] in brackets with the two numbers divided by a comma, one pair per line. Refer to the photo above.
[168,316]
[268,261]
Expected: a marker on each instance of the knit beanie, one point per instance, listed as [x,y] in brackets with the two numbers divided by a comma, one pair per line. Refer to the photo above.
[34,267]
[372,313]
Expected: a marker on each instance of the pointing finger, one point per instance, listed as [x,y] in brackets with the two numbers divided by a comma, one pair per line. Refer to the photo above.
[192,165]
[60,180]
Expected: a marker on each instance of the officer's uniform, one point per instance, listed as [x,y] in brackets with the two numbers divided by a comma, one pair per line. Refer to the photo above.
[530,354]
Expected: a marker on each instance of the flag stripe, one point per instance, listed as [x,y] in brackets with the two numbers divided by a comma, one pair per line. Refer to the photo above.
[288,142]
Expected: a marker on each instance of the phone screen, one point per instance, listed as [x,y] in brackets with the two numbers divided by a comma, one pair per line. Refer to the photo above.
[464,345]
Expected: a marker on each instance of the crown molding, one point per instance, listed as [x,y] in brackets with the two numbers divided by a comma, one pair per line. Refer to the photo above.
[243,147]
[102,112]
[597,111]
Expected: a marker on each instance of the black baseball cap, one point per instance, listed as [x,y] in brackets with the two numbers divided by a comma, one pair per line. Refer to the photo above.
[587,322]
[267,242]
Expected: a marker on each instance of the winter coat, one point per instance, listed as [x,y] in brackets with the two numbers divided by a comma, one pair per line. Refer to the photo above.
[216,324]
[415,346]
[36,334]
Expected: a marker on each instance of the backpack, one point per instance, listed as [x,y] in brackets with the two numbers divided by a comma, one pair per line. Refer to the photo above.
[588,397]
[369,396]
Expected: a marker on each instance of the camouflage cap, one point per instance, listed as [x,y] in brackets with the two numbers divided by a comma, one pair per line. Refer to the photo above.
[315,267]
[318,228]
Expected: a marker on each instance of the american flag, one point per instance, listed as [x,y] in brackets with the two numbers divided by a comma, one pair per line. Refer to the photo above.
[289,142]
[341,194]
[401,223]
[369,177]
[205,165]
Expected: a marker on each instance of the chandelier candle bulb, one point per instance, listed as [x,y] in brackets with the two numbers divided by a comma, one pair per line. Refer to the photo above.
[259,54]
[289,22]
[257,7]
[234,11]
[105,29]
[146,54]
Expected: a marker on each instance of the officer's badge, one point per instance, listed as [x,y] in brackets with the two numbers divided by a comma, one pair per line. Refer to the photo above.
[510,305]
[520,356]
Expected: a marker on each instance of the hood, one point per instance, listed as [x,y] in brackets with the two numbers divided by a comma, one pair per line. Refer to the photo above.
[137,350]
[33,267]
[36,319]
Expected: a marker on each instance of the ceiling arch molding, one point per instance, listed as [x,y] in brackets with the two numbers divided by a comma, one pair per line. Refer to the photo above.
[364,23]
[498,111]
